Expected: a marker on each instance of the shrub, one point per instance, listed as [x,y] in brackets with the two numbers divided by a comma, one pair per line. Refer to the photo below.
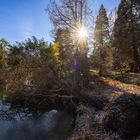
[124,116]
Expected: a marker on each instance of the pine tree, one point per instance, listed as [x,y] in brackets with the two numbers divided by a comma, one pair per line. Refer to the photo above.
[126,35]
[102,51]
[135,33]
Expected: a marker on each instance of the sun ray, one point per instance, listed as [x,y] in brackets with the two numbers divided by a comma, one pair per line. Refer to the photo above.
[79,34]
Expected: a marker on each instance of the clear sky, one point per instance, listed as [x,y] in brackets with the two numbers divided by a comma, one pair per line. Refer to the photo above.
[20,19]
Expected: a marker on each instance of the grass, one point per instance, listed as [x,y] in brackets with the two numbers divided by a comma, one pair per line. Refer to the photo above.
[128,78]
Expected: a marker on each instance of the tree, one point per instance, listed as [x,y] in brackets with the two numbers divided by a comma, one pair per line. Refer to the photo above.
[66,48]
[33,46]
[15,55]
[3,54]
[68,16]
[126,35]
[68,13]
[24,60]
[102,51]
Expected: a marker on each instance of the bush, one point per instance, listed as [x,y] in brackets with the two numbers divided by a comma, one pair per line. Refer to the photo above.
[124,116]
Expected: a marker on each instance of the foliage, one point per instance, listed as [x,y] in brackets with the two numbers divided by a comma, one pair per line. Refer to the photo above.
[102,54]
[126,35]
[56,50]
[58,73]
[68,16]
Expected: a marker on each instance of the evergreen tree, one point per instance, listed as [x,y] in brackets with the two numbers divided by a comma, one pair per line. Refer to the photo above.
[126,35]
[102,52]
[15,55]
[65,44]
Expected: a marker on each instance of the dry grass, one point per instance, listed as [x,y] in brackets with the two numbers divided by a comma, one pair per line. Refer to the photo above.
[94,120]
[122,87]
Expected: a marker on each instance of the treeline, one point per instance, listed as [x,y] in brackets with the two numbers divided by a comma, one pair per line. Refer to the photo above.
[35,66]
[119,49]
[31,64]
[64,65]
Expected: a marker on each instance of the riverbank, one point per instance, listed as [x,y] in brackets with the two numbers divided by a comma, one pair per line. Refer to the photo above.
[88,108]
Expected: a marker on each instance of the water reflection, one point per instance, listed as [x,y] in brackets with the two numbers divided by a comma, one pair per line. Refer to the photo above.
[52,125]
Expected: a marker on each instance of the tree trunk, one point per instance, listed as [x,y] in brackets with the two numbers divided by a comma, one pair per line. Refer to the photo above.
[135,59]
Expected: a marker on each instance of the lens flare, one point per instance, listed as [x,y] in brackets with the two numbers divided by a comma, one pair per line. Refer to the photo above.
[82,33]
[79,34]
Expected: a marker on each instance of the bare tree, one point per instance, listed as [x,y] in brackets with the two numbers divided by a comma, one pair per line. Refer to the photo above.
[68,13]
[73,15]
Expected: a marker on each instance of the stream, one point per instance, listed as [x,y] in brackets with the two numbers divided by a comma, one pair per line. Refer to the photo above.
[23,124]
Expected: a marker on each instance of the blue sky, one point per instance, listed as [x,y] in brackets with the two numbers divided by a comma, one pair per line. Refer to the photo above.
[20,19]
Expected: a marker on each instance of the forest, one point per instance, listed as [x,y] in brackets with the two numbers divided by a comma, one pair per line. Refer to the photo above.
[90,74]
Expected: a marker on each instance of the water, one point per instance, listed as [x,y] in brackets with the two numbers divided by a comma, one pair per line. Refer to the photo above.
[26,125]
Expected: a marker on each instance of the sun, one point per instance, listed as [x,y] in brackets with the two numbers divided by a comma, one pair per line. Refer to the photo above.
[82,33]
[79,34]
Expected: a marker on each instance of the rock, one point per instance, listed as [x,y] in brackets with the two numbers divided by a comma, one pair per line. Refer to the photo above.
[124,116]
